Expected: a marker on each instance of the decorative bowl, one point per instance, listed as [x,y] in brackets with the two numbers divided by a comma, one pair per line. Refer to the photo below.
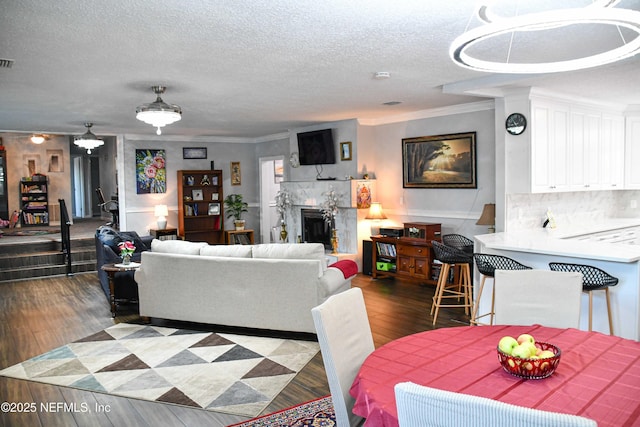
[531,368]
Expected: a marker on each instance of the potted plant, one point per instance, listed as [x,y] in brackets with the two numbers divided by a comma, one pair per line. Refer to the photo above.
[235,207]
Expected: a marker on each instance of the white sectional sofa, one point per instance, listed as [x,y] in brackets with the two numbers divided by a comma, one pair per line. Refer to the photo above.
[266,286]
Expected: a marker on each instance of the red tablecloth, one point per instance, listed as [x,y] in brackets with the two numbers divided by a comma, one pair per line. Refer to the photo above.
[598,376]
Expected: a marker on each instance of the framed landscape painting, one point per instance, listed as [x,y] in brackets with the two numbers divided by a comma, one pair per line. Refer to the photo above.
[440,161]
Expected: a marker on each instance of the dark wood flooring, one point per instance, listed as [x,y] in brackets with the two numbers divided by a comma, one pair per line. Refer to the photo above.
[39,315]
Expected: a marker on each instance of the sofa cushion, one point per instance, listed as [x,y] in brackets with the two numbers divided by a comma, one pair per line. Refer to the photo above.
[292,251]
[113,238]
[236,251]
[177,247]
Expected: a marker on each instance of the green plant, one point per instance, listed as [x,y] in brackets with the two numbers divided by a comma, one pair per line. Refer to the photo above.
[234,206]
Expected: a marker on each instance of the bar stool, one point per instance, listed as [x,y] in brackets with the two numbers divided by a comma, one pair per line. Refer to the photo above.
[487,265]
[451,257]
[593,279]
[459,241]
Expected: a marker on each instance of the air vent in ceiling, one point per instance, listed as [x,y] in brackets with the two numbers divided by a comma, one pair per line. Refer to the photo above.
[6,63]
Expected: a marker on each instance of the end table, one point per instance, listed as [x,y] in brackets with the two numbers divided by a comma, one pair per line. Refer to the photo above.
[111,270]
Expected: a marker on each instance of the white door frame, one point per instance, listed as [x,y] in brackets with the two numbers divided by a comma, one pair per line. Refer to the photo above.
[268,189]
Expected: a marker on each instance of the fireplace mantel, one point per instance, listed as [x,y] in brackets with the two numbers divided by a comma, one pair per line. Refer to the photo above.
[311,195]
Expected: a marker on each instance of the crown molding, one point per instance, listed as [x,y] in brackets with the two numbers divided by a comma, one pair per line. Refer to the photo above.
[471,107]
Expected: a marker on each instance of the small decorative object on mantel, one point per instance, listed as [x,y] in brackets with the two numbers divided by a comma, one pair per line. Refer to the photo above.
[284,201]
[329,211]
[127,249]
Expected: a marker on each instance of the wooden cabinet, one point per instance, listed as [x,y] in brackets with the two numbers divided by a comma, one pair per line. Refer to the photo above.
[407,258]
[34,201]
[239,237]
[200,206]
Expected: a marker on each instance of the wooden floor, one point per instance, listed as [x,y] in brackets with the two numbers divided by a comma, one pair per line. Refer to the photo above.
[39,315]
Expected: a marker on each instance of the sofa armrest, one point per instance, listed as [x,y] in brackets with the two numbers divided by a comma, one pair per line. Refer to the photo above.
[332,282]
[147,241]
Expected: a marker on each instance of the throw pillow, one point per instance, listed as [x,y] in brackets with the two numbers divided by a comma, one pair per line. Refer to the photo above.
[177,247]
[235,251]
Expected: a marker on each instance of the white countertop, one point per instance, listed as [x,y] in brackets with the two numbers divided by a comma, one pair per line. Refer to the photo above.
[558,242]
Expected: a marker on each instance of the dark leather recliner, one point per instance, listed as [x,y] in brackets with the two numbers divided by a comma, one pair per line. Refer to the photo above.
[107,252]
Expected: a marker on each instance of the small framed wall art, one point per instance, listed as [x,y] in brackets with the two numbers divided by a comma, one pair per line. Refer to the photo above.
[236,178]
[197,194]
[214,209]
[194,153]
[345,150]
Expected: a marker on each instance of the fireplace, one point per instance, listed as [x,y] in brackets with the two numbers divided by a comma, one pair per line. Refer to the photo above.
[314,228]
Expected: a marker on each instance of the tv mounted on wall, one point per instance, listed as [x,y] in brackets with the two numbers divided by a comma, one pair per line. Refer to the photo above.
[316,147]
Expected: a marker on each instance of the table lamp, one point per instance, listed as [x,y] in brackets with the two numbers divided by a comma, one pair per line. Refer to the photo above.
[162,212]
[375,214]
[488,217]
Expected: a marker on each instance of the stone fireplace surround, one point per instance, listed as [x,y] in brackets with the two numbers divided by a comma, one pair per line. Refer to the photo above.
[310,195]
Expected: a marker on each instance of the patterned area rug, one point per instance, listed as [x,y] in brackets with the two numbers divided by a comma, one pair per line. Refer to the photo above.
[228,373]
[316,413]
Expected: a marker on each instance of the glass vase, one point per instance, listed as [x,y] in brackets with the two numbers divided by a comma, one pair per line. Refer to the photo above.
[126,259]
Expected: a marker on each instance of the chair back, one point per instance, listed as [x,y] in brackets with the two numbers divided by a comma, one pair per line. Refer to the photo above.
[459,241]
[345,341]
[100,194]
[592,277]
[487,264]
[450,254]
[527,297]
[420,406]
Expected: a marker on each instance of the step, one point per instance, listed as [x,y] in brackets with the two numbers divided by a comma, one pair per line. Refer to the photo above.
[44,246]
[14,274]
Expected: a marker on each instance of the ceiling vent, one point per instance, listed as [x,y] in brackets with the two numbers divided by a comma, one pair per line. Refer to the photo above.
[6,63]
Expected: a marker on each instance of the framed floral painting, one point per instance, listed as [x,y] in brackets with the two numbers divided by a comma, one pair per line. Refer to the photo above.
[151,174]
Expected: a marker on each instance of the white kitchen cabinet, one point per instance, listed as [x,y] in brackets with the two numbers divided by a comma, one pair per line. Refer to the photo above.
[576,148]
[549,147]
[632,153]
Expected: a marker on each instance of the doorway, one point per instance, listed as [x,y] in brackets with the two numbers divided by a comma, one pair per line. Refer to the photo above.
[271,174]
[85,174]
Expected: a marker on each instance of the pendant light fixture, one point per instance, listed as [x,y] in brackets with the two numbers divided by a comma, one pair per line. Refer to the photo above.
[158,113]
[600,12]
[38,139]
[88,140]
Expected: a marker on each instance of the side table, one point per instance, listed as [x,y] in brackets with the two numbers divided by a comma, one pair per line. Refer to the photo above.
[165,233]
[238,237]
[111,270]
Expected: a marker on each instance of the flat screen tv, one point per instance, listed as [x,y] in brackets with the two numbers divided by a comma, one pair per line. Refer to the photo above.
[316,147]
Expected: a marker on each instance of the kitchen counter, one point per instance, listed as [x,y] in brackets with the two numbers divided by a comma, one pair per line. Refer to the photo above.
[537,248]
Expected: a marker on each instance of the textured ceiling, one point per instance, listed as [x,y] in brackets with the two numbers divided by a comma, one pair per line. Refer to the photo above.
[249,69]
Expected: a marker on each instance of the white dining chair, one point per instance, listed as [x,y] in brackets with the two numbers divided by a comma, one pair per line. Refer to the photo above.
[345,339]
[543,297]
[420,406]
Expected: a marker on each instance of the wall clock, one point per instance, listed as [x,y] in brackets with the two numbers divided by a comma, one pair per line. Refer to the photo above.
[516,123]
[294,160]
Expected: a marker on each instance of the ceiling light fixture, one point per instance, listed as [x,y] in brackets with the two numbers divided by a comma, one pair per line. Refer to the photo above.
[88,140]
[38,139]
[158,113]
[625,18]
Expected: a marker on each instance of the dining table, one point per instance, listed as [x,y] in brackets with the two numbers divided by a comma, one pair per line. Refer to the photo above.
[598,376]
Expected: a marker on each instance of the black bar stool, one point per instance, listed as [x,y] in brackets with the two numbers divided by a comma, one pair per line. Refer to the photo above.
[593,279]
[487,265]
[451,257]
[459,241]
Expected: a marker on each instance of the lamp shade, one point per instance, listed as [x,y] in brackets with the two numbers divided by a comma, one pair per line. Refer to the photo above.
[375,212]
[161,210]
[488,216]
[37,139]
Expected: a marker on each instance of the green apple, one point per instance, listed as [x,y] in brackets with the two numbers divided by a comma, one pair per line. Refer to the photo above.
[546,353]
[522,351]
[507,344]
[525,338]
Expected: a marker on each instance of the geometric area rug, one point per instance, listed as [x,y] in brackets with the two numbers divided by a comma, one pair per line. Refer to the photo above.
[229,373]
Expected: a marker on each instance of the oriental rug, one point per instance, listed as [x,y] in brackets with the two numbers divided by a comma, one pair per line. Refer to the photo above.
[221,372]
[316,413]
